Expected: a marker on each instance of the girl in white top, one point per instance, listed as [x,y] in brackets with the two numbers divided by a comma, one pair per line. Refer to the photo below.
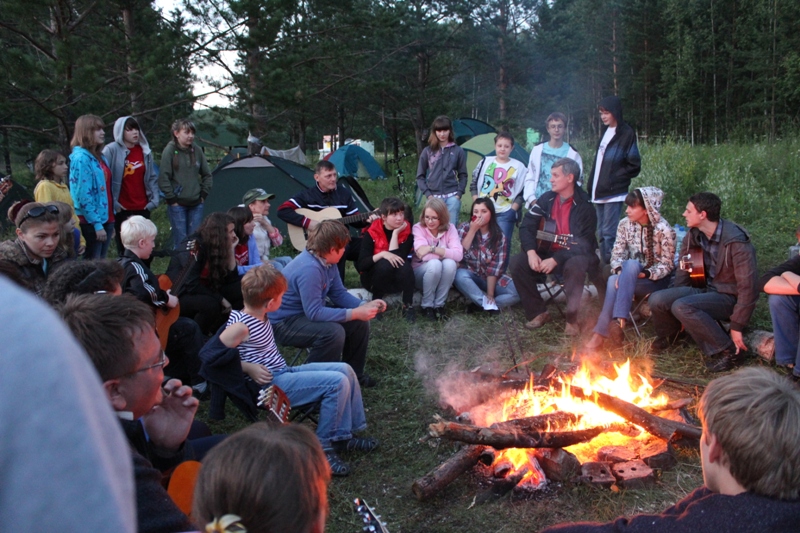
[437,252]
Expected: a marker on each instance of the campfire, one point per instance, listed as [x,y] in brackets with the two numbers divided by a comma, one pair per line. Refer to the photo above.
[609,428]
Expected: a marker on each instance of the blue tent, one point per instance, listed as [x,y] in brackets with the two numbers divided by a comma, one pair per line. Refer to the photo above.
[352,160]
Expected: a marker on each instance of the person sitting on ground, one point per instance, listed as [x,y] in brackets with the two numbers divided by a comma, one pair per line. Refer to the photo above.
[334,385]
[51,171]
[750,460]
[185,338]
[481,276]
[96,276]
[245,251]
[384,264]
[442,168]
[568,206]
[35,251]
[782,284]
[331,334]
[730,289]
[543,155]
[119,337]
[211,284]
[264,479]
[327,192]
[437,252]
[642,261]
[501,178]
[266,235]
[134,176]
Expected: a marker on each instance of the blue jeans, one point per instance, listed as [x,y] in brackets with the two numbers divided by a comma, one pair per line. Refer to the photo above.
[184,221]
[618,301]
[507,221]
[698,310]
[328,342]
[454,208]
[473,287]
[96,249]
[785,312]
[335,384]
[607,222]
[280,262]
[434,278]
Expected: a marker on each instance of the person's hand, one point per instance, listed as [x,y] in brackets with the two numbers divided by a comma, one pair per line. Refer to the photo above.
[258,373]
[172,302]
[534,261]
[490,300]
[474,197]
[395,260]
[547,265]
[401,228]
[101,235]
[422,251]
[369,310]
[226,306]
[475,224]
[738,340]
[168,423]
[373,217]
[642,275]
[312,224]
[81,249]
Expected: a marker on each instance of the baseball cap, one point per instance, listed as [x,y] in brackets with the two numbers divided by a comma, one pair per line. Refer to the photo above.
[256,194]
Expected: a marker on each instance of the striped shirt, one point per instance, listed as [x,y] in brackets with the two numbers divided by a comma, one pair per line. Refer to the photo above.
[259,347]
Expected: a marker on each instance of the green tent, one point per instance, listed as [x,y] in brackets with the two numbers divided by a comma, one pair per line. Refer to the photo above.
[465,129]
[234,176]
[482,145]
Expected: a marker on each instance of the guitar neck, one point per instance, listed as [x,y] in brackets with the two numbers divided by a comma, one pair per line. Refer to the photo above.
[546,236]
[355,218]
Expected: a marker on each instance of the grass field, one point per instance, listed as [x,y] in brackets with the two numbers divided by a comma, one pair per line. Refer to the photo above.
[758,185]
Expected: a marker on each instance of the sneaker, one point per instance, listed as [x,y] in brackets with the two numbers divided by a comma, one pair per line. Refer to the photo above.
[440,314]
[367,382]
[538,321]
[726,360]
[410,314]
[201,391]
[356,444]
[338,467]
[429,313]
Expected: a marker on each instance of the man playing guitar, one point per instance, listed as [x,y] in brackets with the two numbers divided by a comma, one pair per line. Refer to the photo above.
[327,193]
[729,261]
[568,205]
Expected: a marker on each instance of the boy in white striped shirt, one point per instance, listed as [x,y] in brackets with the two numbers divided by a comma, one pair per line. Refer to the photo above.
[335,385]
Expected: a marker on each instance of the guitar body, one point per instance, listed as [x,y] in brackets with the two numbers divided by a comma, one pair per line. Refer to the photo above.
[692,262]
[165,317]
[297,235]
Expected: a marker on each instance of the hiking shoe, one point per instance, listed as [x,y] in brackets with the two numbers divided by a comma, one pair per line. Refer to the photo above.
[572,330]
[440,314]
[410,314]
[338,467]
[356,444]
[367,382]
[726,360]
[538,321]
[429,313]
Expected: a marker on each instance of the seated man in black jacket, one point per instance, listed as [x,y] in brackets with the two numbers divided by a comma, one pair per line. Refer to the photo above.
[118,334]
[568,206]
[750,459]
[326,193]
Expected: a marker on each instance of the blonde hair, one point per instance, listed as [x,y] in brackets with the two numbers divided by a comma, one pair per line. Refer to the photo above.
[262,284]
[83,136]
[440,208]
[755,415]
[136,228]
[326,236]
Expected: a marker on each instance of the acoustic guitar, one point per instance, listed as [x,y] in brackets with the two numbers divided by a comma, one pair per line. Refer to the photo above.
[692,262]
[297,235]
[165,316]
[547,235]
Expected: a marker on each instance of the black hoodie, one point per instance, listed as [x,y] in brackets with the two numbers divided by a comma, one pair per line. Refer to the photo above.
[621,161]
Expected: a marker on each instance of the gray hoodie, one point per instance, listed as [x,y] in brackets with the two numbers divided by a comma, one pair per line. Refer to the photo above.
[116,152]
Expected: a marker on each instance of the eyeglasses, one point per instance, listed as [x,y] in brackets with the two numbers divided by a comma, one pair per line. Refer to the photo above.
[556,127]
[38,211]
[161,362]
[431,218]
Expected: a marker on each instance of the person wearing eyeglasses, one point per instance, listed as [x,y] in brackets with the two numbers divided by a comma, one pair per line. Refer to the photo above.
[35,251]
[118,334]
[543,155]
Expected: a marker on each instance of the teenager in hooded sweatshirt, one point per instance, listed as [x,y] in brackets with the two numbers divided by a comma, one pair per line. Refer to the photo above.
[134,179]
[617,162]
[641,263]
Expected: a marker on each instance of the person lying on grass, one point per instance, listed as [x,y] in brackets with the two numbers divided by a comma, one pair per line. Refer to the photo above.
[750,459]
[333,384]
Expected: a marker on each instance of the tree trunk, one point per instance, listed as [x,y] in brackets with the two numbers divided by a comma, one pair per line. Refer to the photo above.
[127,23]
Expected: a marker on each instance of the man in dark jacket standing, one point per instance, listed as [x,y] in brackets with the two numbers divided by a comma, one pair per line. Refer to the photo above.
[731,290]
[616,163]
[567,205]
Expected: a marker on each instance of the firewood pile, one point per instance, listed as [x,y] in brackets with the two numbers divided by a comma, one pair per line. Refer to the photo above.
[540,445]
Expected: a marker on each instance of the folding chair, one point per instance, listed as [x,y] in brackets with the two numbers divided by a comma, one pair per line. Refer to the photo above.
[636,313]
[554,287]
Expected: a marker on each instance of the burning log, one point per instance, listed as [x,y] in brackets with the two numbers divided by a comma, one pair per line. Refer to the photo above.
[532,423]
[558,464]
[434,481]
[656,425]
[501,487]
[502,438]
